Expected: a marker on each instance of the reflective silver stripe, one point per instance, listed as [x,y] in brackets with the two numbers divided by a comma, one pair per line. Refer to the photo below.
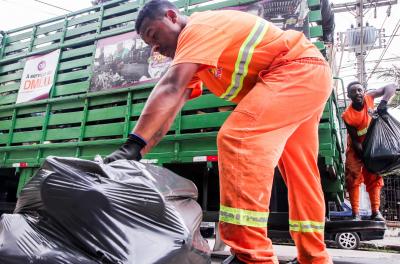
[362,132]
[243,217]
[306,226]
[244,58]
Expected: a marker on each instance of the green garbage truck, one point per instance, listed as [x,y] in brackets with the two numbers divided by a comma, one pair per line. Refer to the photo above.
[75,85]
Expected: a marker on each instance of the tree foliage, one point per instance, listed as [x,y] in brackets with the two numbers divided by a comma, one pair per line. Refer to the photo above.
[393,74]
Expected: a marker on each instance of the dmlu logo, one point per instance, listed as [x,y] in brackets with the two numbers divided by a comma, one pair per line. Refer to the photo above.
[217,72]
[41,65]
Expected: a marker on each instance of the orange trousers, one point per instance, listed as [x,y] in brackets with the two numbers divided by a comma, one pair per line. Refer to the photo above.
[356,174]
[276,122]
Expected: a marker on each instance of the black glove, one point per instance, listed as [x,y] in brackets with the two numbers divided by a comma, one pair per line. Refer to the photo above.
[382,108]
[130,150]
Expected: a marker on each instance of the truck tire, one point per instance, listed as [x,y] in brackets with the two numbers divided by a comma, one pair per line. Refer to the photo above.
[348,240]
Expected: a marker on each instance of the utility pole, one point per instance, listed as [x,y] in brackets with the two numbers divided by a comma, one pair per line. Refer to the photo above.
[361,75]
[360,49]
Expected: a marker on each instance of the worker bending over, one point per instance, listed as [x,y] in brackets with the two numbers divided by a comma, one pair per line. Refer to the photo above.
[280,83]
[357,118]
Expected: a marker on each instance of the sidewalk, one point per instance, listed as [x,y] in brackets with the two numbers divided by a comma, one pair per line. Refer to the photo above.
[391,240]
[286,253]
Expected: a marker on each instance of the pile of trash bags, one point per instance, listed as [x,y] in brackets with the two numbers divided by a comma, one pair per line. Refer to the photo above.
[382,144]
[79,211]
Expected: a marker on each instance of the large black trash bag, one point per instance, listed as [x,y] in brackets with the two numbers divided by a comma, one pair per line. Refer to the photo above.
[382,145]
[29,239]
[122,212]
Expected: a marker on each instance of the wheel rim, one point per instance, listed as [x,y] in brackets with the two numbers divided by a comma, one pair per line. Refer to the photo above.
[347,240]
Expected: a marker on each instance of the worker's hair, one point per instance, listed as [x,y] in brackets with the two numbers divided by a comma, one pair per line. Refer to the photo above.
[155,9]
[353,83]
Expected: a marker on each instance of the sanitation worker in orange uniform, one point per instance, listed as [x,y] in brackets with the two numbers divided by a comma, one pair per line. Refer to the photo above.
[280,83]
[357,118]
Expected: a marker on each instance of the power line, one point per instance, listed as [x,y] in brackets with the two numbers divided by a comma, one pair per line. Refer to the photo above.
[369,51]
[41,10]
[386,48]
[52,5]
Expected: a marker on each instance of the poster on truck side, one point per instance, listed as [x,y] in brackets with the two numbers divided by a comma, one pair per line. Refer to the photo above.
[290,14]
[125,60]
[38,77]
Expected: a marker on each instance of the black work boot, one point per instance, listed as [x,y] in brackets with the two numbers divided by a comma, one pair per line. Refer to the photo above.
[377,216]
[232,260]
[356,217]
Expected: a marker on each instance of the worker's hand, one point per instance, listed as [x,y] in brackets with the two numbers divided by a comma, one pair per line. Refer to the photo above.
[130,150]
[382,108]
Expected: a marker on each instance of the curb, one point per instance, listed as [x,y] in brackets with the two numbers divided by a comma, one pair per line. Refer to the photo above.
[367,245]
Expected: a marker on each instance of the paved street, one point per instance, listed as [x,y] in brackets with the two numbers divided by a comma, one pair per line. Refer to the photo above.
[286,253]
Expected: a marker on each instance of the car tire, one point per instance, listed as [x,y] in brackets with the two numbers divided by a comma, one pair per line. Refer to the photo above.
[348,240]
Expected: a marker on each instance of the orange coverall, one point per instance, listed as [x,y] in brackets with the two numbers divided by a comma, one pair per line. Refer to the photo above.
[355,171]
[281,83]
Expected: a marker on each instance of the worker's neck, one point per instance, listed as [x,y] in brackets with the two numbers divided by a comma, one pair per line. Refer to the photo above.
[183,20]
[358,106]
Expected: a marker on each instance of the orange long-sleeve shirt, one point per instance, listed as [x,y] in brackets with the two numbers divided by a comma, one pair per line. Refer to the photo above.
[234,48]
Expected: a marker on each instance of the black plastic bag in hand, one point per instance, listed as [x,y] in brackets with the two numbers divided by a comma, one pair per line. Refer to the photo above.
[382,145]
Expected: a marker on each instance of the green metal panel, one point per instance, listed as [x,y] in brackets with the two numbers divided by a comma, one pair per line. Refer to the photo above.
[103,130]
[316,31]
[106,113]
[4,125]
[70,104]
[15,47]
[63,77]
[22,155]
[26,136]
[218,5]
[116,31]
[63,133]
[8,99]
[118,20]
[320,45]
[49,29]
[71,88]
[29,122]
[109,99]
[10,77]
[18,37]
[47,39]
[11,67]
[312,4]
[46,48]
[65,118]
[64,152]
[32,109]
[9,87]
[82,30]
[89,152]
[204,120]
[206,101]
[77,52]
[315,16]
[119,9]
[6,113]
[83,19]
[3,138]
[75,63]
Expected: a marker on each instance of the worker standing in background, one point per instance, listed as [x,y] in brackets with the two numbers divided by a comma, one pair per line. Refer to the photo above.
[280,83]
[357,118]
